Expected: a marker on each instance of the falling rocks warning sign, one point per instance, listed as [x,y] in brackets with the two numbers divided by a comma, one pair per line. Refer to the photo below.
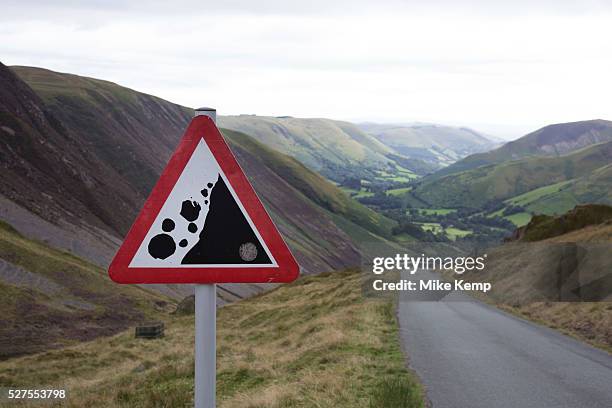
[203,222]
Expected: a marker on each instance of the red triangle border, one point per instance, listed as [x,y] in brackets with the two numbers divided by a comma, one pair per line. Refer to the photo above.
[202,127]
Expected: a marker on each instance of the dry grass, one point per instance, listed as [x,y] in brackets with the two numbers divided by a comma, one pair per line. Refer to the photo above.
[589,322]
[314,343]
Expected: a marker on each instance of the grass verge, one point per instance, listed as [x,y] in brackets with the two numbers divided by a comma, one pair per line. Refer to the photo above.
[314,343]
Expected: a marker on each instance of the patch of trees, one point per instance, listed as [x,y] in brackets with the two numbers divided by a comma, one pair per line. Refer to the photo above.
[513,209]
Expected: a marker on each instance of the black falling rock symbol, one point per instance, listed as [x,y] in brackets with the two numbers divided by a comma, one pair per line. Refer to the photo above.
[192,227]
[225,230]
[167,225]
[190,210]
[161,246]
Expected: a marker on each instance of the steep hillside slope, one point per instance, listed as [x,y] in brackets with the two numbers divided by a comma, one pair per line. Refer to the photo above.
[131,130]
[437,145]
[332,148]
[561,197]
[473,188]
[50,298]
[553,140]
[48,172]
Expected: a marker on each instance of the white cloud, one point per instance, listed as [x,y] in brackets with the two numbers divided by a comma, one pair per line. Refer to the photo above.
[485,63]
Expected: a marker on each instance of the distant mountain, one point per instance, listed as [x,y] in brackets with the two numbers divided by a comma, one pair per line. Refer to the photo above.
[436,145]
[569,174]
[329,147]
[550,141]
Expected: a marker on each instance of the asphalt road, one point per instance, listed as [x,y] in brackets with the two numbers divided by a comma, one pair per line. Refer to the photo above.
[472,355]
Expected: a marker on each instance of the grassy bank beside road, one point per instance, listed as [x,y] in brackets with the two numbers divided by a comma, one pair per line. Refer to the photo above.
[314,343]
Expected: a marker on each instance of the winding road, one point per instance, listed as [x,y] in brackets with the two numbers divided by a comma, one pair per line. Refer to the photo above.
[471,355]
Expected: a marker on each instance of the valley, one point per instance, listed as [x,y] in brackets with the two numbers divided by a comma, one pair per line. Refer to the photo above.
[80,155]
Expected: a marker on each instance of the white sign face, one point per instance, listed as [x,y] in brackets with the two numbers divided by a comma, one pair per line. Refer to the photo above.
[203,223]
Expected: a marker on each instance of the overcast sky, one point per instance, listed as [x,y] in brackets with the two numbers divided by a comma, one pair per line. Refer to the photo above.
[506,67]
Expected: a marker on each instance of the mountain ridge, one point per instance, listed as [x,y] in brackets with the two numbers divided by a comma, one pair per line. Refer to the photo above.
[438,145]
[473,188]
[553,140]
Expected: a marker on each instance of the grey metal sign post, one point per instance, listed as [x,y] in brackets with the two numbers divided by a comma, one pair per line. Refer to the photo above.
[205,329]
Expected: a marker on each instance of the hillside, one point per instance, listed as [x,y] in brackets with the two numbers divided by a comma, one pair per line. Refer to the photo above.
[332,148]
[556,271]
[543,227]
[51,299]
[311,185]
[132,136]
[315,342]
[436,145]
[550,141]
[473,188]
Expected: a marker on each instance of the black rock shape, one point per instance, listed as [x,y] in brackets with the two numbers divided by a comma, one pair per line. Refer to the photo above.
[224,231]
[204,192]
[161,246]
[209,185]
[192,228]
[167,225]
[183,243]
[190,210]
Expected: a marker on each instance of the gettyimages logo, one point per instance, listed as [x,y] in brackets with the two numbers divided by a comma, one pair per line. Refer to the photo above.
[512,274]
[411,264]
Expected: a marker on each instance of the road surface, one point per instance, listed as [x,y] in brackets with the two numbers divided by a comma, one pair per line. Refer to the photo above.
[471,355]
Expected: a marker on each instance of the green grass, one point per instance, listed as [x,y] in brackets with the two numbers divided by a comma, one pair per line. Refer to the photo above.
[394,393]
[533,195]
[399,191]
[451,232]
[473,188]
[401,177]
[434,227]
[406,172]
[314,343]
[454,233]
[519,219]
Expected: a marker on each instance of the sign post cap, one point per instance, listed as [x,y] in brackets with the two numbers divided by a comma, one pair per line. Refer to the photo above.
[210,112]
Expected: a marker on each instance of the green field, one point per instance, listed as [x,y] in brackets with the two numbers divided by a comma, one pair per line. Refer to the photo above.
[519,219]
[399,191]
[430,226]
[454,233]
[533,195]
[401,177]
[451,232]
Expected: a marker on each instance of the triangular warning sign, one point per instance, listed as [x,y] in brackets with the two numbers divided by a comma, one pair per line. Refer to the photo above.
[203,222]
